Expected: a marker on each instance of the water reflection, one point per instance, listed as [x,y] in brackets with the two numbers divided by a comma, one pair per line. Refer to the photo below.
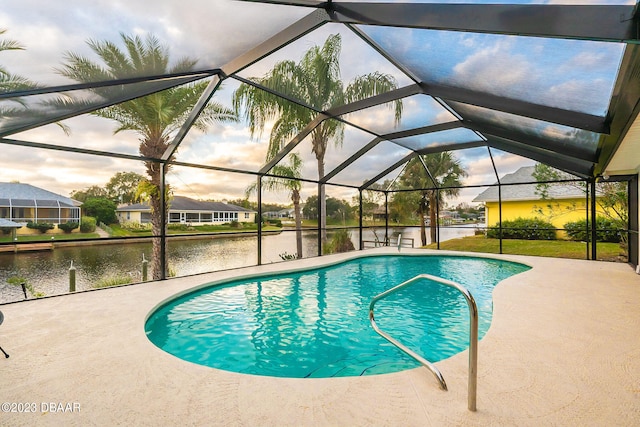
[48,271]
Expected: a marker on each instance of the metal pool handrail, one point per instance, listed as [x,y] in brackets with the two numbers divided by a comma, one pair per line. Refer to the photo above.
[473,334]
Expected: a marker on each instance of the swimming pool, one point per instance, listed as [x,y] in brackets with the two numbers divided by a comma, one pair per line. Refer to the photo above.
[314,323]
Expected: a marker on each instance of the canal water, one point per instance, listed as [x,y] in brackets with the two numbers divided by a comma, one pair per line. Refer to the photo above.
[48,271]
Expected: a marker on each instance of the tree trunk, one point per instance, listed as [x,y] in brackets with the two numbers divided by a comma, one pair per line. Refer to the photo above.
[322,214]
[156,229]
[423,231]
[153,147]
[295,197]
[432,215]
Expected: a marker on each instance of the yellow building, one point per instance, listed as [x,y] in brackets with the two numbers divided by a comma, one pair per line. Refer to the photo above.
[566,202]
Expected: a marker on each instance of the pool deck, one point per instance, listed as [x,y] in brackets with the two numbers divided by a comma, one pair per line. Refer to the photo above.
[563,349]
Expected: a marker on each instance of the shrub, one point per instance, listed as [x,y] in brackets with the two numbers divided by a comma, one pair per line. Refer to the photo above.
[606,230]
[276,222]
[235,224]
[5,230]
[100,208]
[137,227]
[340,242]
[286,256]
[87,224]
[181,227]
[68,227]
[21,281]
[525,229]
[43,227]
[106,282]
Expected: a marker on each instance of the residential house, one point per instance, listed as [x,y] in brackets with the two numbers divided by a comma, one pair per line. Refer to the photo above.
[23,203]
[183,210]
[566,202]
[281,214]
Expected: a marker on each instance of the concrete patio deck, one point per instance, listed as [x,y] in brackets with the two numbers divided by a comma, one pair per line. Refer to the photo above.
[563,349]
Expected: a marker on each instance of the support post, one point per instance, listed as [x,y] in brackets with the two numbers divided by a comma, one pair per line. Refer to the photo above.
[72,278]
[586,223]
[594,236]
[500,214]
[360,219]
[163,222]
[386,217]
[320,213]
[145,269]
[259,220]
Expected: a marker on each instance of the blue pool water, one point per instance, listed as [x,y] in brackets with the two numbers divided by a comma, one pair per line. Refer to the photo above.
[315,323]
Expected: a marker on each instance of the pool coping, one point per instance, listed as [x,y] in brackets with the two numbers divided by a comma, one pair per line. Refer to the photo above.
[560,350]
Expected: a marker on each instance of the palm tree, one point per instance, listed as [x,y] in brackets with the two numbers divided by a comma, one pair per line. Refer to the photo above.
[291,184]
[316,80]
[12,82]
[156,117]
[444,171]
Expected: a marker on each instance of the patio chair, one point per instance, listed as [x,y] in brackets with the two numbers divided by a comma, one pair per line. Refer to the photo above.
[1,320]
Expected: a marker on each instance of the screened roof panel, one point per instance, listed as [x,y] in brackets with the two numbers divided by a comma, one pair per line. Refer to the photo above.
[25,112]
[438,139]
[336,154]
[389,178]
[226,143]
[571,74]
[477,165]
[554,136]
[85,132]
[23,203]
[212,33]
[204,184]
[379,158]
[417,111]
[332,41]
[507,163]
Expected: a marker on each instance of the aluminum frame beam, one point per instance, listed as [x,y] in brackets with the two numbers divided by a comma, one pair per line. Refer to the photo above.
[402,161]
[197,109]
[612,23]
[624,107]
[568,164]
[278,41]
[76,150]
[517,107]
[389,137]
[283,38]
[97,106]
[333,113]
[453,147]
[559,147]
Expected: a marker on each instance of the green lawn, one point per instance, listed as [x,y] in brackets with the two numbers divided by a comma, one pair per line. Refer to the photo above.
[549,248]
[118,231]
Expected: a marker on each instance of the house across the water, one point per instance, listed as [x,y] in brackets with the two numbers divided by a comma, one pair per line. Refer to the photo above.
[23,203]
[183,210]
[565,202]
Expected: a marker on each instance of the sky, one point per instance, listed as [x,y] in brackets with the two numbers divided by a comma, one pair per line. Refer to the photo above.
[539,70]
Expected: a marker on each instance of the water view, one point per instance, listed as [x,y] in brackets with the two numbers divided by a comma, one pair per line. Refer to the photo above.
[48,271]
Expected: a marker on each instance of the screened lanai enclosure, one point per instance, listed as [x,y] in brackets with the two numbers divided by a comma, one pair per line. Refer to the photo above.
[395,122]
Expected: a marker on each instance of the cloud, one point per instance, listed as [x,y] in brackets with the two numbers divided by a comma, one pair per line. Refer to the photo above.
[495,69]
[588,96]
